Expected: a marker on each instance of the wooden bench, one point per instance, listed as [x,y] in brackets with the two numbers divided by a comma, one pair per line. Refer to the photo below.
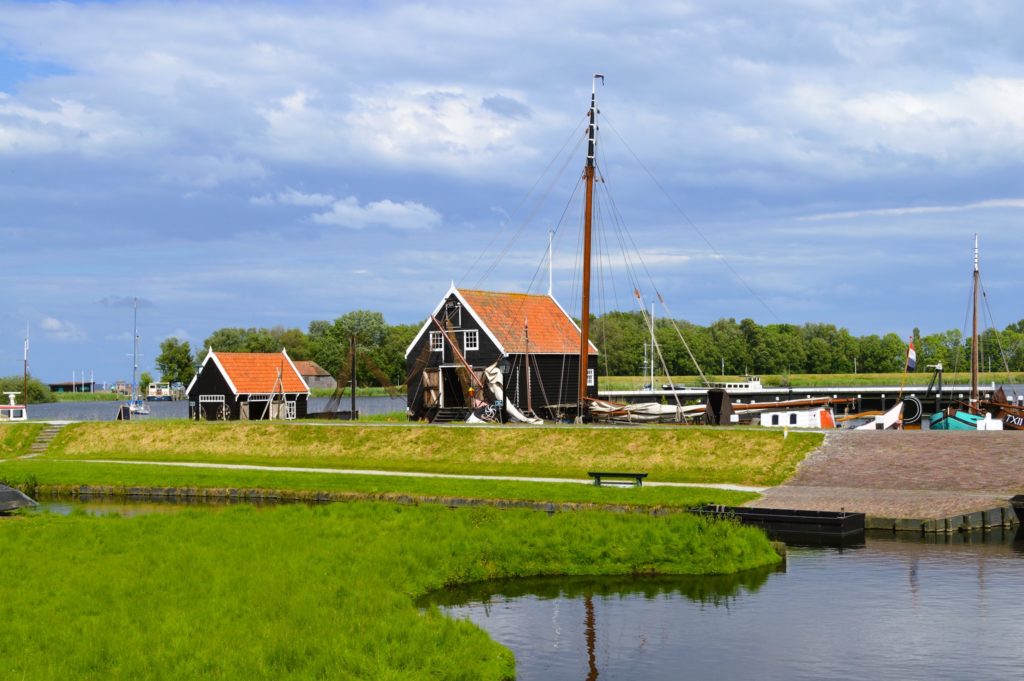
[637,479]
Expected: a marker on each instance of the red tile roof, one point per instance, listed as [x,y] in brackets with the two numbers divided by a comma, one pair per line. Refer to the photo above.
[256,372]
[308,367]
[506,315]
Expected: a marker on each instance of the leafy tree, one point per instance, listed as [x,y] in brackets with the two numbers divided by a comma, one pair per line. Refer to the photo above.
[175,361]
[37,390]
[144,380]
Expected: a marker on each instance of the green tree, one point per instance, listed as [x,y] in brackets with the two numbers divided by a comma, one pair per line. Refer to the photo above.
[144,380]
[37,390]
[175,361]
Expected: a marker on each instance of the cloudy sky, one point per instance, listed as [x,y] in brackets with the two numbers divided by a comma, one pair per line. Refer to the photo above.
[255,164]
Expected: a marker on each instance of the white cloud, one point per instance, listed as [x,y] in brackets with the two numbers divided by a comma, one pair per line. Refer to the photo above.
[61,330]
[916,210]
[293,197]
[63,125]
[409,215]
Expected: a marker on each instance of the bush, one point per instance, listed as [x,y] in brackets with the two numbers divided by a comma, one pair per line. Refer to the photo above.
[37,390]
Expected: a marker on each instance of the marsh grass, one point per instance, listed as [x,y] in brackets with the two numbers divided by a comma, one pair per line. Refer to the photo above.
[682,454]
[67,477]
[307,592]
[16,438]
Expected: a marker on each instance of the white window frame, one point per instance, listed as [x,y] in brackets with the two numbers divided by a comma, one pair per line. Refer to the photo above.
[289,410]
[467,335]
[436,341]
[590,378]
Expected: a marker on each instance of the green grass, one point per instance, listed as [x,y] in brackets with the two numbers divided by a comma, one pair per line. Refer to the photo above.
[88,397]
[307,592]
[814,380]
[681,454]
[15,438]
[64,478]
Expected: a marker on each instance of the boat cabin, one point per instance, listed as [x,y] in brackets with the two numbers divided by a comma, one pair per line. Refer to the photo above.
[232,386]
[11,411]
[818,418]
[533,341]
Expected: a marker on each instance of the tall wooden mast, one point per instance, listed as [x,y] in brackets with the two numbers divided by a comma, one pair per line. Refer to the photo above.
[588,216]
[974,330]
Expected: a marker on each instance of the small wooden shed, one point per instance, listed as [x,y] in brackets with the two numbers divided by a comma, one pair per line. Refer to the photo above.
[233,386]
[534,341]
[315,375]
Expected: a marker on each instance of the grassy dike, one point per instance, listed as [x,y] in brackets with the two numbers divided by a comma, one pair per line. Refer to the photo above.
[680,454]
[307,592]
[16,438]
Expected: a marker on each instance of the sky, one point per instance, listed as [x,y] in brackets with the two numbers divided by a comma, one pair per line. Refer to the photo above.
[261,164]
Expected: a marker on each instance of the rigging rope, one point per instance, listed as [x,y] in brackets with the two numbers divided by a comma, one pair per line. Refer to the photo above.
[691,223]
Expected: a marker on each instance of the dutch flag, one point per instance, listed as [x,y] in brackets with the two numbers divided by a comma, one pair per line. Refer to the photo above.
[911,357]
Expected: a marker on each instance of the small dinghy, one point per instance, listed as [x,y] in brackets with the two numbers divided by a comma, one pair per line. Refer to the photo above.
[12,500]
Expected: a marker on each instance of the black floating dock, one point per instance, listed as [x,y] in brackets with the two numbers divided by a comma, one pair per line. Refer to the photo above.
[780,520]
[11,500]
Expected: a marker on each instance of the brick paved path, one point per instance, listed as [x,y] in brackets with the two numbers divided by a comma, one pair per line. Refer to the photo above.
[910,474]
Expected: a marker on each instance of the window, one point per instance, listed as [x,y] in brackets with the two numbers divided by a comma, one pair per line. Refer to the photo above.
[775,419]
[436,341]
[590,377]
[289,410]
[472,340]
[792,419]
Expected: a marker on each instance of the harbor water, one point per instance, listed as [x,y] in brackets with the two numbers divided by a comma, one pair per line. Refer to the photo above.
[891,609]
[178,409]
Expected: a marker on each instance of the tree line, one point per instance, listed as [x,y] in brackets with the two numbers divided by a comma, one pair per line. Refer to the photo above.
[724,347]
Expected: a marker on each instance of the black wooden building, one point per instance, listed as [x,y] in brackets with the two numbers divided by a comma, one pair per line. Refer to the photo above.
[247,386]
[534,340]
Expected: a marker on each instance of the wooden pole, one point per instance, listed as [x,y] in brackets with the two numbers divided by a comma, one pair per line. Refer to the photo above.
[588,217]
[24,376]
[352,416]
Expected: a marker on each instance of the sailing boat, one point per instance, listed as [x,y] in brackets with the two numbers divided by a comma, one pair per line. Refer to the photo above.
[136,406]
[973,417]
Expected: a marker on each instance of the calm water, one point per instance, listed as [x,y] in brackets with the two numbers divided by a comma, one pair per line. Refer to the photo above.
[107,411]
[889,610]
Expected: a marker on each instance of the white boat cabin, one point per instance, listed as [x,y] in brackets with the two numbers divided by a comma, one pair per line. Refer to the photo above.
[12,411]
[817,418]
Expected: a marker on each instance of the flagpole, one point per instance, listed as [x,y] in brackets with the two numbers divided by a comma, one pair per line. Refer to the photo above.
[906,366]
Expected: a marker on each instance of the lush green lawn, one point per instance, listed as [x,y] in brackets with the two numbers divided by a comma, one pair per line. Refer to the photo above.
[64,478]
[306,592]
[15,438]
[682,454]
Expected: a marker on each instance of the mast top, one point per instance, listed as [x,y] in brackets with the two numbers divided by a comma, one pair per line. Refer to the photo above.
[975,252]
[592,128]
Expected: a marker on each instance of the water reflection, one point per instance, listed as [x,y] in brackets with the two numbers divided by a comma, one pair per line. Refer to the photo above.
[935,607]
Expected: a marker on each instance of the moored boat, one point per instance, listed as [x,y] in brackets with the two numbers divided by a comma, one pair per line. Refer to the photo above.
[968,416]
[13,411]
